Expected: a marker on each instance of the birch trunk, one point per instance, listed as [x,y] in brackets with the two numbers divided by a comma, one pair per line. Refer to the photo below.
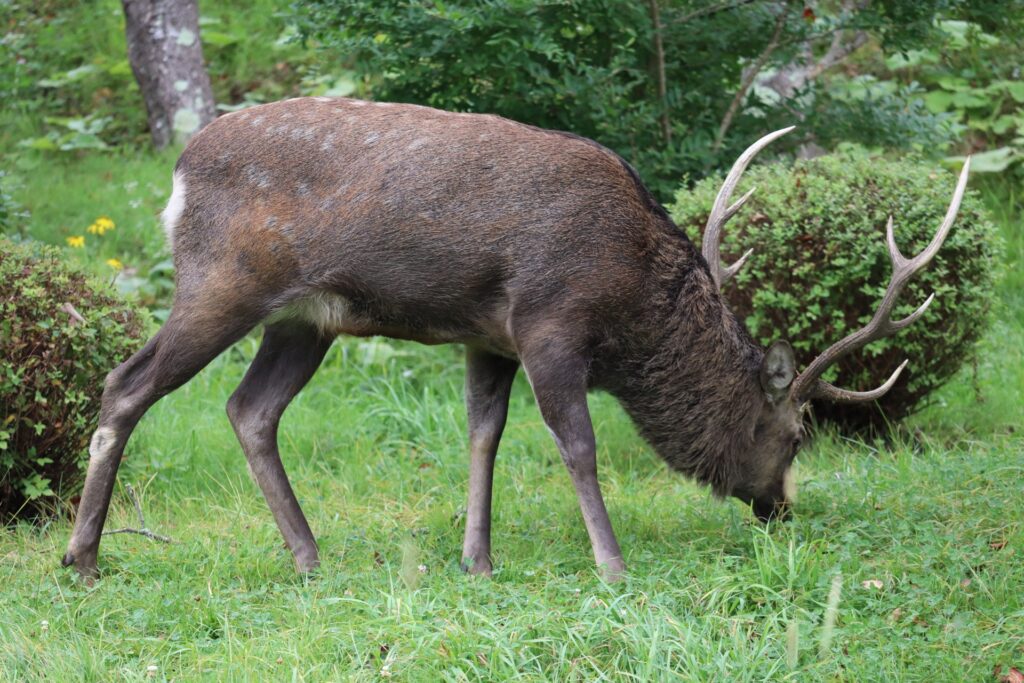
[167,60]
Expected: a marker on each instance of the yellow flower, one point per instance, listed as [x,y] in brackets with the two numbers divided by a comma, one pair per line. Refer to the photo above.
[115,264]
[101,225]
[76,241]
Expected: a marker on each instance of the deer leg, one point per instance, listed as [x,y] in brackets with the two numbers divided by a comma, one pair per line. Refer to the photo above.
[182,347]
[288,356]
[560,387]
[488,383]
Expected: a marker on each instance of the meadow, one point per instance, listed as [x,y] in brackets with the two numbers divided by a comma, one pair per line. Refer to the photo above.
[904,560]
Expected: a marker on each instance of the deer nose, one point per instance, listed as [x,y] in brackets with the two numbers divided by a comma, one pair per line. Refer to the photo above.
[771,509]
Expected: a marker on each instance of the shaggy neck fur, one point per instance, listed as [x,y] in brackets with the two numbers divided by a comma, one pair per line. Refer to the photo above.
[693,388]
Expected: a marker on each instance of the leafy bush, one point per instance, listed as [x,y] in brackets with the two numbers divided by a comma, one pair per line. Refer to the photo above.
[820,267]
[59,336]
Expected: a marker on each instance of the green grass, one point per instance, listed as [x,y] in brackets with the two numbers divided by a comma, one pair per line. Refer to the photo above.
[376,451]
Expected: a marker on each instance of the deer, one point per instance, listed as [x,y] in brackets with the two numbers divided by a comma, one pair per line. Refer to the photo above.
[535,249]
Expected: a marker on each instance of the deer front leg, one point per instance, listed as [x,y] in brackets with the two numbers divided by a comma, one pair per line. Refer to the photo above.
[488,383]
[560,387]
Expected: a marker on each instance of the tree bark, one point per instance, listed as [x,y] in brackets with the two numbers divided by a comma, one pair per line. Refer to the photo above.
[659,59]
[167,60]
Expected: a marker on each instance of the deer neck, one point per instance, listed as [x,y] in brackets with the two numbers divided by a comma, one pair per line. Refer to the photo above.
[692,388]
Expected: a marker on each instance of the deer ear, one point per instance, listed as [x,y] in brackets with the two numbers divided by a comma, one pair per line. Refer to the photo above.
[778,370]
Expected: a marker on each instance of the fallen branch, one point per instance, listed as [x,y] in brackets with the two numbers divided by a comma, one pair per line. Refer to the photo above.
[142,530]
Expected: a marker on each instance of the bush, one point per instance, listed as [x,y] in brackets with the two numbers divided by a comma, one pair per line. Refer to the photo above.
[59,336]
[820,267]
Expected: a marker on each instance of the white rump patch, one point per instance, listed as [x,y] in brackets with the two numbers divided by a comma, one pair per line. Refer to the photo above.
[171,215]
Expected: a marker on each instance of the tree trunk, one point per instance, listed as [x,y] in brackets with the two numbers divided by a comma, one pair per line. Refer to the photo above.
[167,60]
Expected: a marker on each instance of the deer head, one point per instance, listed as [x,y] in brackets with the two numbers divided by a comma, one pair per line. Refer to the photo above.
[778,430]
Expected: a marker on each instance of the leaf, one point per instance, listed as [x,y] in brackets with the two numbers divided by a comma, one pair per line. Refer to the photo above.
[42,143]
[992,161]
[938,101]
[954,83]
[967,99]
[120,68]
[1016,90]
[1005,123]
[911,58]
[872,583]
[219,38]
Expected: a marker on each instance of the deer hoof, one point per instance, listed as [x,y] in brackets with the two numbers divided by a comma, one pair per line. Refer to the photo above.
[84,564]
[307,564]
[613,570]
[477,566]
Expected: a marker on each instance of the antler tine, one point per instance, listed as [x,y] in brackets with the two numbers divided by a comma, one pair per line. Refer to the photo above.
[823,389]
[722,212]
[808,385]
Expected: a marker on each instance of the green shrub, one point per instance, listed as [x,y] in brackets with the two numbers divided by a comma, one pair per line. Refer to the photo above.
[820,267]
[60,334]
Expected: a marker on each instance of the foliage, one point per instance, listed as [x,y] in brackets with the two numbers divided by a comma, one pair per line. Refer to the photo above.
[589,66]
[59,335]
[12,215]
[820,266]
[974,76]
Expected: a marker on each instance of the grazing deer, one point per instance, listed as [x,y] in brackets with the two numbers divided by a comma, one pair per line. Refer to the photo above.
[320,216]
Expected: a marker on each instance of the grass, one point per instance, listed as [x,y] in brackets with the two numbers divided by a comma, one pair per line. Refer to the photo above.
[923,537]
[903,562]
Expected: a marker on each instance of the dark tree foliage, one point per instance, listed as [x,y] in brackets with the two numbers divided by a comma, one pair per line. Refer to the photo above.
[590,66]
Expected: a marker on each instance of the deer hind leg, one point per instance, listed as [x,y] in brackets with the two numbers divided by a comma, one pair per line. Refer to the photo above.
[188,341]
[488,383]
[290,353]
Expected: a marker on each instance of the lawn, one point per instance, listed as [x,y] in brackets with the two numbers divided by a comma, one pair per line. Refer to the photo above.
[920,539]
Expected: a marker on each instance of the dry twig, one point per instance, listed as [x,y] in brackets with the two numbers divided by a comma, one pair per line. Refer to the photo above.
[142,530]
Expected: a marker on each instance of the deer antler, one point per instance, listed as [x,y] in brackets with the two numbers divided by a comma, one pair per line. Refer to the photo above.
[720,214]
[808,385]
